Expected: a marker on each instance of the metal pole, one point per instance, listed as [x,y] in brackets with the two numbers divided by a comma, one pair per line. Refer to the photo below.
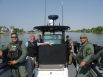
[45,14]
[62,12]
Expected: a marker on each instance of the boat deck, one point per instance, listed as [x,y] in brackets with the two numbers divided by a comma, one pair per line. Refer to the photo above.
[72,70]
[6,72]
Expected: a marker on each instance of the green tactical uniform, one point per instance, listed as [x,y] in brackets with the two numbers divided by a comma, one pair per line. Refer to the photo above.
[19,69]
[85,53]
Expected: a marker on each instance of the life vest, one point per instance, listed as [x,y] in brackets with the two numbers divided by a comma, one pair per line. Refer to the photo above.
[32,48]
[14,51]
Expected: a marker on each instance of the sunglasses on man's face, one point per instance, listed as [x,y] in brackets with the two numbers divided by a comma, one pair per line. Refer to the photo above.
[13,36]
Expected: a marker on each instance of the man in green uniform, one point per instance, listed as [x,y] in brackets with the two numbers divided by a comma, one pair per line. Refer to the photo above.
[16,54]
[85,53]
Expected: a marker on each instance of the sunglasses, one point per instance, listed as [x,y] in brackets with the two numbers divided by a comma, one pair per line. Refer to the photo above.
[13,36]
[82,37]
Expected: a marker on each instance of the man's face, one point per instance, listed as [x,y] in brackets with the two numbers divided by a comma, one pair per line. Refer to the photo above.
[32,38]
[14,38]
[83,40]
[67,38]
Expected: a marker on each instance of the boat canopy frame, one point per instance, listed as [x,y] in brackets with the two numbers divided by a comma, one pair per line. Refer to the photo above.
[53,29]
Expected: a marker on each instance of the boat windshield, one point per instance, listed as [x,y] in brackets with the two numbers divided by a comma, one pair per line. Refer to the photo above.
[53,38]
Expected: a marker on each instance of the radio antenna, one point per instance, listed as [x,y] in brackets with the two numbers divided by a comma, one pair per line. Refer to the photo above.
[62,11]
[45,14]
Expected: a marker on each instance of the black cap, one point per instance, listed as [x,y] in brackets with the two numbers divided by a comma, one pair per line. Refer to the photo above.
[67,36]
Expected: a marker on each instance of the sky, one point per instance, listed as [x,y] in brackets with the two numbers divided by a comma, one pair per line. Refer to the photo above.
[26,14]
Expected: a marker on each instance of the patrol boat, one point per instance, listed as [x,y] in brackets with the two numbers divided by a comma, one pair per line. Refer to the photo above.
[52,58]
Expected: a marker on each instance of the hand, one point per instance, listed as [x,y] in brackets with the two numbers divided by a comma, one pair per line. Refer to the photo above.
[82,64]
[50,44]
[1,54]
[47,43]
[13,62]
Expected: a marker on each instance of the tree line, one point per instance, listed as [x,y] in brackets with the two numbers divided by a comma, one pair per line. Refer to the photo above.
[11,29]
[98,29]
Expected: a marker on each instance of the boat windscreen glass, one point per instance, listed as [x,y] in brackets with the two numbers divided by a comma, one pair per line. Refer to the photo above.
[53,38]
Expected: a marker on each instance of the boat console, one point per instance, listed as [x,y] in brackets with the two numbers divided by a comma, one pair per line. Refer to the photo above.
[52,58]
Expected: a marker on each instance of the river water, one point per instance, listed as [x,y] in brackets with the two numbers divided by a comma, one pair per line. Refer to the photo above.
[93,38]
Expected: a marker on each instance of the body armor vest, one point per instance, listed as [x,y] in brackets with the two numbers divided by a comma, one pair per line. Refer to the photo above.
[14,51]
[32,48]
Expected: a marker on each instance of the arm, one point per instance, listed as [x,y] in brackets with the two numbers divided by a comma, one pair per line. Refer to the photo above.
[72,46]
[23,56]
[3,50]
[1,54]
[26,44]
[46,43]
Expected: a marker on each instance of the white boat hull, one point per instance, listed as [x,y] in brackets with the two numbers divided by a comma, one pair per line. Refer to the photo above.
[51,72]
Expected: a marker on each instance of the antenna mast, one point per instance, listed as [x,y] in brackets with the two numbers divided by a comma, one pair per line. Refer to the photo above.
[62,12]
[45,14]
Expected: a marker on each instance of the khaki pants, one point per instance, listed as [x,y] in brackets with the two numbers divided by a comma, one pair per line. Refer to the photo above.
[70,58]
